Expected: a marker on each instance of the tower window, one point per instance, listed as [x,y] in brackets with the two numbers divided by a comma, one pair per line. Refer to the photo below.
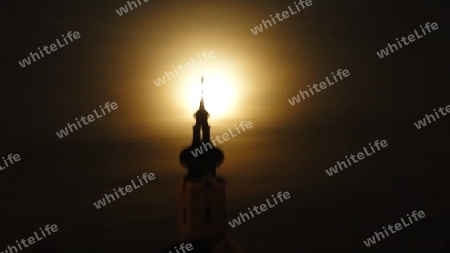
[208,215]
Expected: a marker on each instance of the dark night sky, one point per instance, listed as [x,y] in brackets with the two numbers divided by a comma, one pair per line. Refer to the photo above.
[117,58]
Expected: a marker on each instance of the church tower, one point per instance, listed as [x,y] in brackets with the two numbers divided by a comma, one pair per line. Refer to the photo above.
[201,194]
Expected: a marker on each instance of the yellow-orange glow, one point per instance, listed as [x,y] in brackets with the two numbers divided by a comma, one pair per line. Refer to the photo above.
[220,93]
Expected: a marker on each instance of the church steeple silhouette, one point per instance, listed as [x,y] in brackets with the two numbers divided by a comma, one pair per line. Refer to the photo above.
[201,210]
[211,157]
[201,117]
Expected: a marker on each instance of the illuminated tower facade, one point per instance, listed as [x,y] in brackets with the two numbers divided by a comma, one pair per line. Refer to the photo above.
[201,194]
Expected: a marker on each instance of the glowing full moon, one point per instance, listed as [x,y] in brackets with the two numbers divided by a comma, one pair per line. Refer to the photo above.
[218,91]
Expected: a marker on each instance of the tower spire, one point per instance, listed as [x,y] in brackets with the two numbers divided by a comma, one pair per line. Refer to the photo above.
[202,202]
[201,193]
[202,102]
[201,138]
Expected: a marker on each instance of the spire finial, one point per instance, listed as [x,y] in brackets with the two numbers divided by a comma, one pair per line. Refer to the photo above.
[202,86]
[202,103]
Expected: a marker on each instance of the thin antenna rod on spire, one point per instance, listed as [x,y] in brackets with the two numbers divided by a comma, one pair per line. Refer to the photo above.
[202,86]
